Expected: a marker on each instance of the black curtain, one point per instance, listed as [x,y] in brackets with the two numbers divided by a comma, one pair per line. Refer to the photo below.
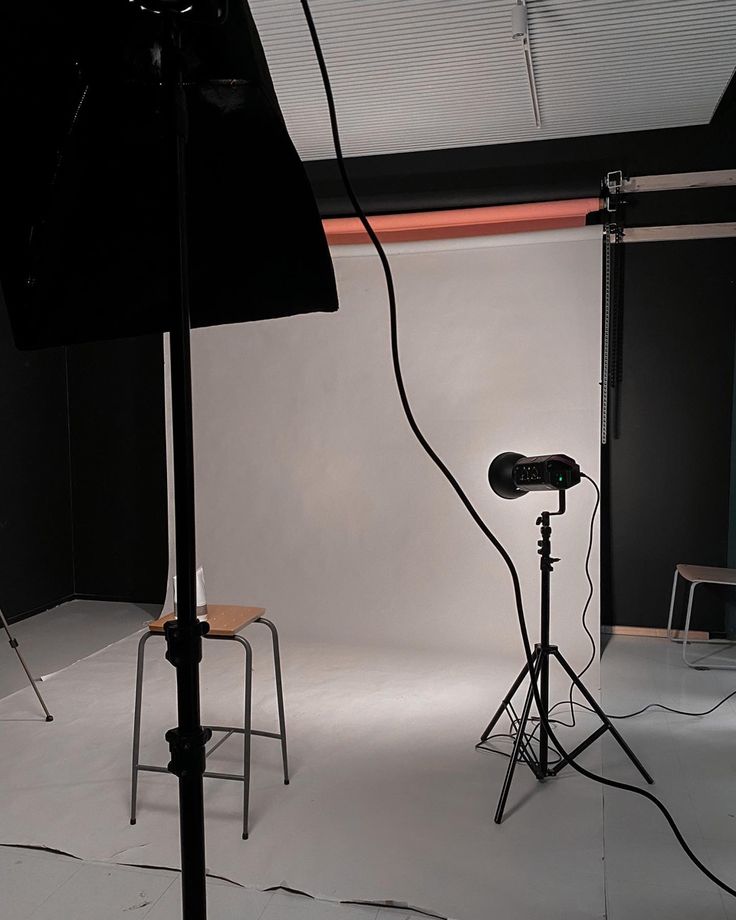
[36,561]
[669,467]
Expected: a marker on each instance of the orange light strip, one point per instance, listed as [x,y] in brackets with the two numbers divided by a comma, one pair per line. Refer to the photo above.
[436,225]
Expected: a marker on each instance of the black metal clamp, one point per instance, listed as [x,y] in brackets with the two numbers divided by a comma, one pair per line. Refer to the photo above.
[184,641]
[184,649]
[188,756]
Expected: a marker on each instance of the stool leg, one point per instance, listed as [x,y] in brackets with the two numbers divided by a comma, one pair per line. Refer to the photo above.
[137,724]
[246,730]
[672,608]
[687,624]
[279,695]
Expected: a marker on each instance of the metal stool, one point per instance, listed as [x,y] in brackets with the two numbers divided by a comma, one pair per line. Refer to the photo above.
[225,622]
[699,575]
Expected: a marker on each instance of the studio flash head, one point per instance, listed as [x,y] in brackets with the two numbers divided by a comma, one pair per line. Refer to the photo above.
[511,475]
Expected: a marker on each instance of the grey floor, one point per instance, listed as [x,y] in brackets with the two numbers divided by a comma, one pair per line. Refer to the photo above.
[43,886]
[647,877]
[57,638]
[39,885]
[693,762]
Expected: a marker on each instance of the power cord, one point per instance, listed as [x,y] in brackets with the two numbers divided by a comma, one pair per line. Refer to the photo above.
[679,712]
[591,587]
[591,591]
[449,476]
[594,648]
[631,715]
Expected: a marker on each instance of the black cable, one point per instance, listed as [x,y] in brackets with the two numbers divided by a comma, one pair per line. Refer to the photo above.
[591,591]
[680,712]
[572,703]
[638,712]
[591,587]
[529,739]
[449,476]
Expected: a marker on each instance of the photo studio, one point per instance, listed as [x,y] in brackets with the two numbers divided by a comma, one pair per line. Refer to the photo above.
[390,344]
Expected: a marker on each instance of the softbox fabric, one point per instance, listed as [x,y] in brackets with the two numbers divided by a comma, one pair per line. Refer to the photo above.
[88,219]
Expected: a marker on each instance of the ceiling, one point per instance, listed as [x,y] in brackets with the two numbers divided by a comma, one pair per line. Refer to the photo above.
[414,75]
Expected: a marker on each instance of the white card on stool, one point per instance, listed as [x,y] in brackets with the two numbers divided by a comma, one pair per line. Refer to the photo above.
[201,599]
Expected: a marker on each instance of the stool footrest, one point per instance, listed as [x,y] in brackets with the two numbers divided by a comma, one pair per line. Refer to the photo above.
[149,768]
[235,776]
[233,730]
[215,746]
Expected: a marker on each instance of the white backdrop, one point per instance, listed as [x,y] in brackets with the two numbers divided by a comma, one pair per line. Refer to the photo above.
[315,501]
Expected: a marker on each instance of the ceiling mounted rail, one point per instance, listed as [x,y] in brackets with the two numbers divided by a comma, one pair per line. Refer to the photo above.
[673,232]
[617,183]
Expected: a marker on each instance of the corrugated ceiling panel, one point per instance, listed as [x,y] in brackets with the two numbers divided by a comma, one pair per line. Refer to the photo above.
[426,74]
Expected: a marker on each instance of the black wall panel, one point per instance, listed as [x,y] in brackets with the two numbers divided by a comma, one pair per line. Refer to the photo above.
[670,464]
[116,412]
[36,569]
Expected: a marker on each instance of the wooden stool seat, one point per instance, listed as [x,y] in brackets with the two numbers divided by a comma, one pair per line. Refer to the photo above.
[224,619]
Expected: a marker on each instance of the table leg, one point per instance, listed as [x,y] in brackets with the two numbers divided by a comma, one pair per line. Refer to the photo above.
[246,729]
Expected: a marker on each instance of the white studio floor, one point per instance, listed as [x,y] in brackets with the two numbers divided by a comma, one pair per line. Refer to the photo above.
[389,802]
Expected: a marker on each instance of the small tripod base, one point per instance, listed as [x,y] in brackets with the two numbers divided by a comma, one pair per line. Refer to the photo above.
[13,643]
[523,750]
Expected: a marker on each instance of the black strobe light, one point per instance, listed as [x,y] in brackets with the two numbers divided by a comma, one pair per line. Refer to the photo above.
[511,475]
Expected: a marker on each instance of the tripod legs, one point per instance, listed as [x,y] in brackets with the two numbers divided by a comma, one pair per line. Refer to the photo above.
[506,700]
[606,726]
[519,743]
[522,748]
[13,642]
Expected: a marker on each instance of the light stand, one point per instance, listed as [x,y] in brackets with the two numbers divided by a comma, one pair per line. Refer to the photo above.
[13,642]
[107,251]
[184,634]
[512,475]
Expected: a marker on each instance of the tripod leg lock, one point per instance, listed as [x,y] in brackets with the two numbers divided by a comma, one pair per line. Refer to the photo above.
[184,641]
[13,643]
[187,751]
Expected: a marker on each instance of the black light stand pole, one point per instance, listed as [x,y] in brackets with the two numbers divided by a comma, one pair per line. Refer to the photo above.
[545,565]
[537,672]
[184,634]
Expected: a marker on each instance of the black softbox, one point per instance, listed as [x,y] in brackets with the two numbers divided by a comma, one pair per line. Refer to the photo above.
[85,221]
[148,184]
